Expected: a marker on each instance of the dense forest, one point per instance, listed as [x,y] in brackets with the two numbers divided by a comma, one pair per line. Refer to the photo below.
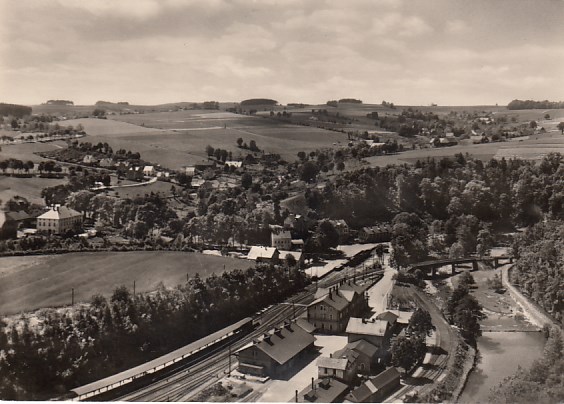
[530,104]
[258,101]
[539,271]
[72,348]
[17,111]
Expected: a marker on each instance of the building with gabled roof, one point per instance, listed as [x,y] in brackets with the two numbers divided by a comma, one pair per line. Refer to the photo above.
[59,220]
[377,332]
[367,354]
[281,239]
[275,352]
[264,254]
[149,170]
[326,390]
[376,389]
[9,223]
[342,368]
[332,308]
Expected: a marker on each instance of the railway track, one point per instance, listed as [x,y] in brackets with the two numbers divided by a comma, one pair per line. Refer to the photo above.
[182,382]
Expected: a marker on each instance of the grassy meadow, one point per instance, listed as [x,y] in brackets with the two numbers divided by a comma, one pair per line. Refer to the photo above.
[31,282]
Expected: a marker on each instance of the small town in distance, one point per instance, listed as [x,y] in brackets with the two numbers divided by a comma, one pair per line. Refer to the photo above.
[247,274]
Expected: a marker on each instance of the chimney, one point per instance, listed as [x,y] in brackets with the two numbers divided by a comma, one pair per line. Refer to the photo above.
[330,295]
[363,320]
[296,396]
[330,355]
[312,384]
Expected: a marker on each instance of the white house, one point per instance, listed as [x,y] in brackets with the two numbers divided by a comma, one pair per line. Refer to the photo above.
[149,170]
[59,219]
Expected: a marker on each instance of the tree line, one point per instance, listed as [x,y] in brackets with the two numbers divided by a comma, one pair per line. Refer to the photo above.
[74,347]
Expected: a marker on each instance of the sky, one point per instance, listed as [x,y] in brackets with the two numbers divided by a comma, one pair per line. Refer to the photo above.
[410,52]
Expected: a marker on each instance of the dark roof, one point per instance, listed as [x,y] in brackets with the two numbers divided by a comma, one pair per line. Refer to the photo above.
[327,390]
[20,215]
[364,392]
[284,344]
[364,347]
[337,301]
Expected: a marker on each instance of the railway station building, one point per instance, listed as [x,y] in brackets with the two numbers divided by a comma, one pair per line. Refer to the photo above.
[276,352]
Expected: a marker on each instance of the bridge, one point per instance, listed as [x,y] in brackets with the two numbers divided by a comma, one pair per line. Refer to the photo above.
[433,265]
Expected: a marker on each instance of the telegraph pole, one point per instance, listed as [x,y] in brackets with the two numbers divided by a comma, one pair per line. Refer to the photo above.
[134,289]
[72,297]
[229,370]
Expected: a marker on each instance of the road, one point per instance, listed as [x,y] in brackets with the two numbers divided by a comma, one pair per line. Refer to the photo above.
[186,381]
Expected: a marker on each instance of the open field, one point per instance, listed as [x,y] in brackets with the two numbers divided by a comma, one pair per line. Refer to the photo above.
[25,151]
[533,148]
[131,192]
[29,188]
[180,138]
[32,282]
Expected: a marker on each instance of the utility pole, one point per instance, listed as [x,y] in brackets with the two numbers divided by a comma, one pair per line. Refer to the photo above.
[72,297]
[134,289]
[229,370]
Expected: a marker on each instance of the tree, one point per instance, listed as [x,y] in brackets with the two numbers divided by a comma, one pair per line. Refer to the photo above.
[327,235]
[420,323]
[290,261]
[406,352]
[456,250]
[561,127]
[253,146]
[239,141]
[533,124]
[308,171]
[209,150]
[467,315]
[466,279]
[246,180]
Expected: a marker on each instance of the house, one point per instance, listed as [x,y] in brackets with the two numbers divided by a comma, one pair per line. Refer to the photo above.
[376,389]
[366,354]
[149,171]
[377,332]
[375,234]
[298,256]
[326,390]
[342,368]
[395,318]
[9,223]
[264,254]
[59,220]
[89,159]
[281,239]
[234,164]
[204,165]
[275,353]
[332,307]
[342,228]
[296,223]
[297,244]
[106,162]
[134,174]
[477,139]
[190,171]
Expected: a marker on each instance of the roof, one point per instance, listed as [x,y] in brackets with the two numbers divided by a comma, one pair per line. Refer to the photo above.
[403,316]
[261,252]
[158,362]
[296,254]
[305,325]
[332,363]
[284,344]
[60,212]
[387,316]
[234,163]
[148,168]
[327,390]
[281,234]
[364,327]
[337,301]
[19,215]
[364,392]
[363,346]
[356,287]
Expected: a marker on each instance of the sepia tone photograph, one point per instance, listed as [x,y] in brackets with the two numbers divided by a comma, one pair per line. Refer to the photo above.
[282,201]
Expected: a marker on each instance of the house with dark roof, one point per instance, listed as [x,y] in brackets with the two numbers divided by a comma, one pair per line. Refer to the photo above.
[9,223]
[326,390]
[332,307]
[375,234]
[366,355]
[281,239]
[275,353]
[376,389]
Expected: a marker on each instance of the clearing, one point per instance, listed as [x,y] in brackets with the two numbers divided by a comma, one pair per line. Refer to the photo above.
[32,282]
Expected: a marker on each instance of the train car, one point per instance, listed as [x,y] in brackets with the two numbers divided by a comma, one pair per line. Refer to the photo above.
[152,370]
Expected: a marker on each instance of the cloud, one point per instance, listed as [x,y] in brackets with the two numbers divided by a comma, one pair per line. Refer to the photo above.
[456,27]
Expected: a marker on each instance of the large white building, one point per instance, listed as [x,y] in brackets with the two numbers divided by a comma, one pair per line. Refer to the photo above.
[59,219]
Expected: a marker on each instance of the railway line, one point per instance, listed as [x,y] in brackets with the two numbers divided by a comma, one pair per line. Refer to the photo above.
[182,382]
